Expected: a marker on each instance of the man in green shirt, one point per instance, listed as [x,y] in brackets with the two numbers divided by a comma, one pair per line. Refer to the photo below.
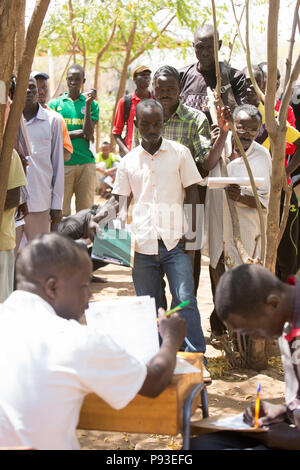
[80,112]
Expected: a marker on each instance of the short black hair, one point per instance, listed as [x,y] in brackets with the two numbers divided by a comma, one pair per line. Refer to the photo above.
[264,66]
[256,71]
[48,254]
[149,103]
[78,68]
[242,290]
[250,109]
[168,71]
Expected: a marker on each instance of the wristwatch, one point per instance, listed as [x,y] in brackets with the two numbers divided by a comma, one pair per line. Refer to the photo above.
[225,87]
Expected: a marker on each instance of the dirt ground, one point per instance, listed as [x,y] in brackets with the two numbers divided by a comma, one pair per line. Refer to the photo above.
[231,391]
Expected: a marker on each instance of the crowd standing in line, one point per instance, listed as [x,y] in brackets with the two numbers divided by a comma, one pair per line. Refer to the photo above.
[168,145]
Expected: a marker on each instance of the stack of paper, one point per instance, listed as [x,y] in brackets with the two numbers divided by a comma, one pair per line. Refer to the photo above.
[131,322]
[222,182]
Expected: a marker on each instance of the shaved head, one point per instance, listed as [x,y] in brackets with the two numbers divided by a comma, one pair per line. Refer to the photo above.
[147,104]
[58,270]
[242,290]
[48,255]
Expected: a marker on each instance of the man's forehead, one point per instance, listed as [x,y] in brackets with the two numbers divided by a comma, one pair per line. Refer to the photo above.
[244,116]
[75,72]
[204,37]
[166,79]
[32,81]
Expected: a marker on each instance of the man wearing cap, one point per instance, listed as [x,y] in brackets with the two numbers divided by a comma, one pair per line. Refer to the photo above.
[43,92]
[125,111]
[80,112]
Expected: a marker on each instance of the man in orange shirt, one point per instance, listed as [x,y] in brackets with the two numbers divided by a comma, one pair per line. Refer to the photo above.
[125,111]
[43,91]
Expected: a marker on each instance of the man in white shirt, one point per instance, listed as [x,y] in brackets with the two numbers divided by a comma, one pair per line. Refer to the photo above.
[218,225]
[49,361]
[157,173]
[45,172]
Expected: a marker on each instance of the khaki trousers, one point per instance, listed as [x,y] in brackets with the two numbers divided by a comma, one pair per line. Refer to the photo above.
[79,180]
[7,263]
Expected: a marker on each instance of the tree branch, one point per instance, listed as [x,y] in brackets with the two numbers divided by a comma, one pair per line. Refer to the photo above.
[292,42]
[248,55]
[151,40]
[272,36]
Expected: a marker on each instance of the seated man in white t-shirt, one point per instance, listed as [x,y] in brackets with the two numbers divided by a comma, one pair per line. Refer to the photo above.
[49,361]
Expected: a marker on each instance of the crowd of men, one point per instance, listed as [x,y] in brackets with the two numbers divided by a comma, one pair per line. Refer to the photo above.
[169,142]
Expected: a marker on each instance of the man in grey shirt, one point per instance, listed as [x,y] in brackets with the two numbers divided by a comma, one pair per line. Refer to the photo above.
[45,172]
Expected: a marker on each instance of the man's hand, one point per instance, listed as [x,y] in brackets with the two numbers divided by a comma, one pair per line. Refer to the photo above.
[90,96]
[173,327]
[22,211]
[224,116]
[268,414]
[108,211]
[55,216]
[234,192]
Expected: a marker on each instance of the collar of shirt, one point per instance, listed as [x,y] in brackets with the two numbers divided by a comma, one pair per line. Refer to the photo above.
[65,97]
[162,148]
[41,114]
[22,298]
[134,96]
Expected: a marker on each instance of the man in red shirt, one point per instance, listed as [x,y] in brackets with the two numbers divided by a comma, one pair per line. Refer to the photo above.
[126,105]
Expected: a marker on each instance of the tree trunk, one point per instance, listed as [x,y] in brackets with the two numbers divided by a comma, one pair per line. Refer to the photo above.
[8,13]
[123,77]
[20,33]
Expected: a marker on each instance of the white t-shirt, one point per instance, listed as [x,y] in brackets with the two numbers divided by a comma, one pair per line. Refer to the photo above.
[47,366]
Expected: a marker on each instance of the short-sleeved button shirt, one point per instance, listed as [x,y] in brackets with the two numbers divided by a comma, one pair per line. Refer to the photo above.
[157,183]
[73,113]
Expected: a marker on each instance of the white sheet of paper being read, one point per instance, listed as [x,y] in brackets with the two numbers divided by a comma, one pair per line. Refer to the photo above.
[222,182]
[131,322]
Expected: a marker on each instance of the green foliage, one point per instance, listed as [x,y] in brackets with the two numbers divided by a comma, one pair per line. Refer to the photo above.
[106,106]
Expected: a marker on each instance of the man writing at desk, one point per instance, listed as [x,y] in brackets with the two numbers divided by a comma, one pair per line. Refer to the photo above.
[56,360]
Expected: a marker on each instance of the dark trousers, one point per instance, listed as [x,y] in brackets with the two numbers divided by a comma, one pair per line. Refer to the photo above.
[217,327]
[225,440]
[287,254]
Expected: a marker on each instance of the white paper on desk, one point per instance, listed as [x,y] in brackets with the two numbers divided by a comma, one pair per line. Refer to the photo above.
[131,322]
[232,422]
[222,182]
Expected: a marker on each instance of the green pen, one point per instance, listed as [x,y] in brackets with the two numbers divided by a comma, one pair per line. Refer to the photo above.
[173,310]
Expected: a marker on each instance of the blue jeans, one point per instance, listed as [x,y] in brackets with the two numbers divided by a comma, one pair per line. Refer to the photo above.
[176,264]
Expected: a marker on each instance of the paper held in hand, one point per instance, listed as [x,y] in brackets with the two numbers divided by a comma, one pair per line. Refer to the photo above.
[131,323]
[222,182]
[115,245]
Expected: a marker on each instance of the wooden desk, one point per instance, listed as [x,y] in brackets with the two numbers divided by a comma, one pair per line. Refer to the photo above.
[160,415]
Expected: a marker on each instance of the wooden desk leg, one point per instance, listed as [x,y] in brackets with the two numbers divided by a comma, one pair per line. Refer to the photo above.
[187,412]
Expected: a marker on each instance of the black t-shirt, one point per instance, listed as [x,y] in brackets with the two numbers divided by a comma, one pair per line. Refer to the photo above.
[195,83]
[295,103]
